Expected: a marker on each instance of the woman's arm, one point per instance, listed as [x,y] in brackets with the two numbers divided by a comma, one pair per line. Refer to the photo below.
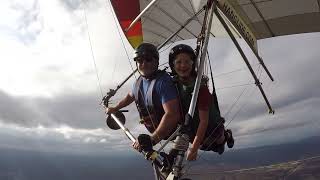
[198,139]
[204,100]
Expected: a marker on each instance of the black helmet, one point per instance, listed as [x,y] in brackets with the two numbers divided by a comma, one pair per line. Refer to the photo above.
[181,48]
[146,49]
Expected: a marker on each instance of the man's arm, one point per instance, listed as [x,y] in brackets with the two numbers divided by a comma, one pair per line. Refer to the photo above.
[128,99]
[169,120]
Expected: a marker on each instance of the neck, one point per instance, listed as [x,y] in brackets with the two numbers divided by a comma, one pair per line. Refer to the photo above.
[151,76]
[186,80]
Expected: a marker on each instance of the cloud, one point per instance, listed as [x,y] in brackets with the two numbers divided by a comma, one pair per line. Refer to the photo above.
[49,74]
[60,139]
[295,75]
[16,110]
[80,111]
[58,48]
[25,21]
[72,4]
[295,103]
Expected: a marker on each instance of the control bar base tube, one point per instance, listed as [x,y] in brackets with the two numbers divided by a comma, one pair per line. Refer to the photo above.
[126,131]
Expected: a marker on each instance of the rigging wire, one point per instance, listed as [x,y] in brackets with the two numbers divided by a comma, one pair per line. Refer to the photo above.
[241,108]
[236,70]
[114,70]
[119,33]
[239,85]
[202,153]
[259,68]
[175,38]
[238,98]
[91,48]
[128,58]
[235,102]
[252,92]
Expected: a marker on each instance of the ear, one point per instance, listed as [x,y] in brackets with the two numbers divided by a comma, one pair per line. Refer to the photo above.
[157,62]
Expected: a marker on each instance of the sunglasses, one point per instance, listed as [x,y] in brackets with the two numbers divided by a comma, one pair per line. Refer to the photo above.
[142,59]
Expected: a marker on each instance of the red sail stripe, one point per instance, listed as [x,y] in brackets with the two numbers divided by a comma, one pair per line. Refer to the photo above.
[126,9]
[136,30]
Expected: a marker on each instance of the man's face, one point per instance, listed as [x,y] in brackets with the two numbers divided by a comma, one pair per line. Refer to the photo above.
[147,65]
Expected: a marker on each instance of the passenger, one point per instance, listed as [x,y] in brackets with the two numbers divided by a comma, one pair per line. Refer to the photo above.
[207,129]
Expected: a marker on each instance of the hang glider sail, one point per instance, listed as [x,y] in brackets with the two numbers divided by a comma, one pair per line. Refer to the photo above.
[252,19]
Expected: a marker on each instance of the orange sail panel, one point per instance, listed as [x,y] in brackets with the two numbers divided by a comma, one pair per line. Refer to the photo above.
[126,12]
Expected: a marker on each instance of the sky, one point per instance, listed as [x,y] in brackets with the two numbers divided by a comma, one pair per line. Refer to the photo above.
[58,58]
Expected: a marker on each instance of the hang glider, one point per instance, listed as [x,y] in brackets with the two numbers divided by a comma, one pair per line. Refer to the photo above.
[166,21]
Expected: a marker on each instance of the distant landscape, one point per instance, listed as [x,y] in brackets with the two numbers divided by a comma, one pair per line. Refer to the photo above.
[269,162]
[306,169]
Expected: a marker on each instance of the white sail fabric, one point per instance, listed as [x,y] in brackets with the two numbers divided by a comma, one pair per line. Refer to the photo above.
[253,19]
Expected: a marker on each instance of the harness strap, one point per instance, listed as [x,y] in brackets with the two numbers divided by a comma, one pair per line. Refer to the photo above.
[150,94]
[136,89]
[145,102]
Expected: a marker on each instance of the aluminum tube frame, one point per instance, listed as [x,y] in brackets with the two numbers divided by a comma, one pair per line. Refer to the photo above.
[169,139]
[133,139]
[201,66]
[244,57]
[253,50]
[139,16]
[126,130]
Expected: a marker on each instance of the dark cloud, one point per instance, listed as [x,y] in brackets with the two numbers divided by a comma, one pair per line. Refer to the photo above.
[81,111]
[17,110]
[74,110]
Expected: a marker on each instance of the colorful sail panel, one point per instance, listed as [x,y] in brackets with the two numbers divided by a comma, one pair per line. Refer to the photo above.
[126,12]
[252,19]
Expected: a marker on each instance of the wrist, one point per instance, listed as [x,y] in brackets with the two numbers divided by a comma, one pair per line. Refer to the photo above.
[116,108]
[155,139]
[193,149]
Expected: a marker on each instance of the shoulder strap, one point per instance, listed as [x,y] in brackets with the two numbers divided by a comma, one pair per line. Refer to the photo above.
[150,93]
[139,96]
[137,89]
[151,89]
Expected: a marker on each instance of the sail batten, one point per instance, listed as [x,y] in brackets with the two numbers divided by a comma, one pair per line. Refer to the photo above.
[268,19]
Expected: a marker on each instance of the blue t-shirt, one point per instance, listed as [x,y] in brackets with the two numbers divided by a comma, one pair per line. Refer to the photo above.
[164,90]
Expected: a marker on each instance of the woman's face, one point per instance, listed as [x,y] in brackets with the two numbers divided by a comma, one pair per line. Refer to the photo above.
[183,65]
